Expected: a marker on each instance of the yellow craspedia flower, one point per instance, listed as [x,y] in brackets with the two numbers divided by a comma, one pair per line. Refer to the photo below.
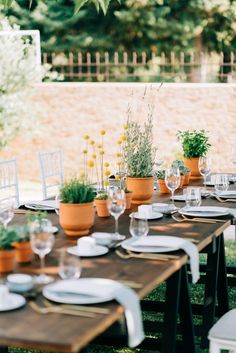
[118,155]
[119,142]
[82,175]
[119,164]
[101,153]
[85,151]
[99,145]
[92,142]
[91,164]
[107,173]
[124,138]
[94,156]
[103,132]
[118,177]
[106,164]
[125,126]
[86,137]
[106,183]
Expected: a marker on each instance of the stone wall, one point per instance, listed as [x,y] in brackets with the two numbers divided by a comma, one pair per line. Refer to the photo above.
[68,111]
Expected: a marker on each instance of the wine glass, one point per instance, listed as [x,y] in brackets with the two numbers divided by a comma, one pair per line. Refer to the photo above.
[221,183]
[6,211]
[116,206]
[69,266]
[42,240]
[138,227]
[172,180]
[204,167]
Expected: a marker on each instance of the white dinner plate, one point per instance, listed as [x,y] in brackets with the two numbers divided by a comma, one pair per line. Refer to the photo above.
[14,301]
[230,194]
[129,244]
[98,250]
[204,211]
[155,215]
[80,291]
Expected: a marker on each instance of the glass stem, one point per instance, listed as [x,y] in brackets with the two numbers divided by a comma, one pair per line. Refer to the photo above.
[42,264]
[204,182]
[116,225]
[172,197]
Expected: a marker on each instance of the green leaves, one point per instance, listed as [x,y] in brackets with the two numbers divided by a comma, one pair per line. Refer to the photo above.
[7,237]
[194,143]
[76,192]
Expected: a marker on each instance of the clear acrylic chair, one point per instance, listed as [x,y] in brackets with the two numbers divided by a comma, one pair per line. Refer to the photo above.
[51,168]
[222,335]
[9,180]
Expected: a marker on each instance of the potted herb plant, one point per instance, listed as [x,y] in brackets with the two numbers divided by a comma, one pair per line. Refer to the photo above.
[76,211]
[180,164]
[139,155]
[7,252]
[101,205]
[22,245]
[161,182]
[195,144]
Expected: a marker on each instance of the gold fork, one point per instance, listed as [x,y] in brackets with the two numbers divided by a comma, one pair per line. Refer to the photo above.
[59,310]
[198,220]
[89,309]
[147,256]
[226,200]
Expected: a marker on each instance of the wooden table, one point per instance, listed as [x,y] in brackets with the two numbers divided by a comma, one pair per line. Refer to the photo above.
[60,333]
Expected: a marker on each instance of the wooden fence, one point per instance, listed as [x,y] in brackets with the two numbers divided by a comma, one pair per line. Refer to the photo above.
[123,67]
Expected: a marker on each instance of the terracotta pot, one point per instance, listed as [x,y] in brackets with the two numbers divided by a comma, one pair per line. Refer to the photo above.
[181,182]
[23,252]
[142,189]
[128,199]
[76,219]
[186,178]
[163,189]
[192,164]
[102,210]
[7,259]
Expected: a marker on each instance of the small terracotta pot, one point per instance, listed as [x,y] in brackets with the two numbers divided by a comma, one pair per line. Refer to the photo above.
[142,189]
[192,164]
[76,219]
[181,182]
[102,210]
[128,199]
[163,189]
[23,252]
[186,178]
[7,259]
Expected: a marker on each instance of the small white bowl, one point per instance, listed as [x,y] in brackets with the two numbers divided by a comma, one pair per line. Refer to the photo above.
[102,238]
[20,282]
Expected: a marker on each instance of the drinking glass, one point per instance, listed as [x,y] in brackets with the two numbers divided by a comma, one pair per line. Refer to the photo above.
[221,183]
[116,206]
[204,167]
[233,159]
[69,266]
[42,240]
[172,180]
[138,227]
[6,211]
[193,197]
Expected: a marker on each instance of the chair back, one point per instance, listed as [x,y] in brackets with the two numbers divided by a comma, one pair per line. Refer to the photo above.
[51,168]
[9,180]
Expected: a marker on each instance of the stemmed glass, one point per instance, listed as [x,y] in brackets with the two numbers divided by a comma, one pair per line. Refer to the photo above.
[42,240]
[138,227]
[172,180]
[204,167]
[69,266]
[116,206]
[6,211]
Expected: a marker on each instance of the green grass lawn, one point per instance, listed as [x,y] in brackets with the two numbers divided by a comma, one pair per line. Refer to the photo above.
[197,295]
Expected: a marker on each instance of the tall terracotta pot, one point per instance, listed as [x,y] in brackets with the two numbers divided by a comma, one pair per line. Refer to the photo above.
[76,219]
[128,199]
[101,206]
[163,189]
[7,259]
[192,164]
[142,189]
[23,252]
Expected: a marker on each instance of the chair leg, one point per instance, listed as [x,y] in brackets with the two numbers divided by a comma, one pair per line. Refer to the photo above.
[214,347]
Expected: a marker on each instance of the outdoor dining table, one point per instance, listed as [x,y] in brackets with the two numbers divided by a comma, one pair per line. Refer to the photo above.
[25,328]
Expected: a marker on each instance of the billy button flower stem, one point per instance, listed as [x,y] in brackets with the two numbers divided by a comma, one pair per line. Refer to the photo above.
[85,152]
[102,132]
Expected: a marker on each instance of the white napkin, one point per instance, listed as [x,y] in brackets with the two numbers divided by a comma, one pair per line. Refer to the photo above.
[174,242]
[105,288]
[54,204]
[145,211]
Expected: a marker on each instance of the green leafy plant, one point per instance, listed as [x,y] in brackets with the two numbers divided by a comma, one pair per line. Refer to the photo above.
[194,143]
[102,196]
[179,163]
[138,150]
[161,174]
[74,191]
[22,233]
[7,237]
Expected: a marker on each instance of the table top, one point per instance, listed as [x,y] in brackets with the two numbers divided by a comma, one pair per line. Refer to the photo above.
[60,333]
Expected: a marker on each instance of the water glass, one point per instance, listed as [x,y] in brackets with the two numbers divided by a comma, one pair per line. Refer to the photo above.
[221,183]
[116,206]
[69,266]
[193,197]
[172,180]
[204,167]
[42,240]
[6,211]
[138,227]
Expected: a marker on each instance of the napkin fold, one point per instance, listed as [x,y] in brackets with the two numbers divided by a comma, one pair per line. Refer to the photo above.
[53,204]
[113,290]
[173,242]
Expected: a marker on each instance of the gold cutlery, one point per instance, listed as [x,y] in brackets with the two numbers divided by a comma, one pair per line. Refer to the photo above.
[131,284]
[83,308]
[198,220]
[225,200]
[147,256]
[59,310]
[20,211]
